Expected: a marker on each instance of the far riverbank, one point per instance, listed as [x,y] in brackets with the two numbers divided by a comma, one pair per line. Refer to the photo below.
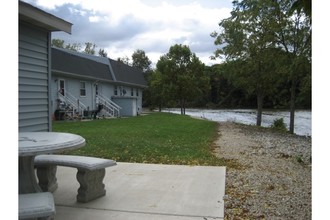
[303,118]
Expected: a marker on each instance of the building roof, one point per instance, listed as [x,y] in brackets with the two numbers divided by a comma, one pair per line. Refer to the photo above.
[72,63]
[40,18]
[68,62]
[127,74]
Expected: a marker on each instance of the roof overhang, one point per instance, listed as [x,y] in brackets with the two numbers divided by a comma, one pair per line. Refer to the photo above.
[37,17]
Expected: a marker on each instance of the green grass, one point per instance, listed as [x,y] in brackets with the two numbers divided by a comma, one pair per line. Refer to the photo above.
[155,138]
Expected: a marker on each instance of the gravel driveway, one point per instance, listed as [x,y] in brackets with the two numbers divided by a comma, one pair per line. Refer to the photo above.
[270,173]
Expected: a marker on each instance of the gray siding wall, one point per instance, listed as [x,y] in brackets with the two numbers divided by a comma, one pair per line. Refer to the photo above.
[53,94]
[34,105]
[107,90]
[131,105]
[72,85]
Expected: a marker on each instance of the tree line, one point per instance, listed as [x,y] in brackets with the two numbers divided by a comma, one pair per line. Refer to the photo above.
[265,46]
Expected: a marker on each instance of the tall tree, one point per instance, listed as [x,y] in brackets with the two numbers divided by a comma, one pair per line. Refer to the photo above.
[254,30]
[294,37]
[156,89]
[247,36]
[141,61]
[182,74]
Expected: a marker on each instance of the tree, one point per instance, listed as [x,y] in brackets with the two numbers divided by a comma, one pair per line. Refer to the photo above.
[75,47]
[141,61]
[89,48]
[103,53]
[302,5]
[254,33]
[182,75]
[294,37]
[124,60]
[246,37]
[61,44]
[156,89]
[58,43]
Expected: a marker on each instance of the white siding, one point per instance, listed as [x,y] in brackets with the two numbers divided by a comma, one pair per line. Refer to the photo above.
[33,79]
[72,86]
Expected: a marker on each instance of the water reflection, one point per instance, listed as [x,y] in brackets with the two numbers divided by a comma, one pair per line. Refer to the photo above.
[249,116]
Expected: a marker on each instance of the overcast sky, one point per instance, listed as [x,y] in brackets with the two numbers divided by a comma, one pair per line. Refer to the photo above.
[121,27]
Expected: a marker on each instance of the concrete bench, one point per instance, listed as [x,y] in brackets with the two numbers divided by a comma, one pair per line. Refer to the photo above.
[90,175]
[36,205]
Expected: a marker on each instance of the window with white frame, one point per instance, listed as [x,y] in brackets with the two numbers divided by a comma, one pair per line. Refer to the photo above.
[137,92]
[132,92]
[82,88]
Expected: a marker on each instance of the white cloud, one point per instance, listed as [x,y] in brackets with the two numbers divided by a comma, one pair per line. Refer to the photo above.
[121,27]
[52,4]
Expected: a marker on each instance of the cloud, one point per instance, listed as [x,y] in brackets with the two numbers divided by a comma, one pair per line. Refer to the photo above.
[121,27]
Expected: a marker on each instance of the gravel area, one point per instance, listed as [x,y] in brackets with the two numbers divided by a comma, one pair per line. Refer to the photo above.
[269,173]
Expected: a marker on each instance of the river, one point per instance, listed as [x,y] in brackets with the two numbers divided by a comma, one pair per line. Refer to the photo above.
[303,118]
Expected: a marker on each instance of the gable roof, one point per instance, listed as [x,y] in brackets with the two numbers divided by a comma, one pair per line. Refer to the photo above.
[72,63]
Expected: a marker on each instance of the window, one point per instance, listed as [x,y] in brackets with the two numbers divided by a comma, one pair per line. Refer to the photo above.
[116,90]
[137,92]
[82,89]
[132,92]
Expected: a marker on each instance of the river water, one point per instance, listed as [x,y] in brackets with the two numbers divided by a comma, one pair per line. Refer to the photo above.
[303,119]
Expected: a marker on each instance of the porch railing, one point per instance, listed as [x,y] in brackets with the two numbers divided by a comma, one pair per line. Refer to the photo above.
[72,102]
[111,108]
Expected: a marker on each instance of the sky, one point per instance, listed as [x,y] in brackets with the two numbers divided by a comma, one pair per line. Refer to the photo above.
[122,27]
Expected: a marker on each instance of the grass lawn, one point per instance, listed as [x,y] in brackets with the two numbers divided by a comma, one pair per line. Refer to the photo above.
[155,138]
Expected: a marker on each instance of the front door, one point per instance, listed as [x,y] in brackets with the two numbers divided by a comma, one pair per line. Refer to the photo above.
[96,98]
[61,86]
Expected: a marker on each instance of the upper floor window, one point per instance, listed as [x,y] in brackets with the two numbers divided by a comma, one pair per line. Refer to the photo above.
[132,92]
[82,89]
[137,92]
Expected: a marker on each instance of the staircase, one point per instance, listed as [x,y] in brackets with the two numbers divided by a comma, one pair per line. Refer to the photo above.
[71,105]
[110,108]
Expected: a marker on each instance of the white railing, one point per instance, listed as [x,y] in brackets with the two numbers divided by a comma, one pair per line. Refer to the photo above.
[111,108]
[72,101]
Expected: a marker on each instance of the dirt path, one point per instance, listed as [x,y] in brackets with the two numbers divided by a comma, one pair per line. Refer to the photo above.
[271,173]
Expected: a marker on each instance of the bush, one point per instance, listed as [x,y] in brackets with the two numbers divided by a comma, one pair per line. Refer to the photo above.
[279,125]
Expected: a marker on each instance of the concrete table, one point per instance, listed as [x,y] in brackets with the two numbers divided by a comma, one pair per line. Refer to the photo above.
[35,143]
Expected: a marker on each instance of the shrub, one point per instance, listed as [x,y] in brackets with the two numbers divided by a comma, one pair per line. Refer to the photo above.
[279,125]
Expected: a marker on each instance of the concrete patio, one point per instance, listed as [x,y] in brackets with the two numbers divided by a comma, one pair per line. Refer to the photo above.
[146,191]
